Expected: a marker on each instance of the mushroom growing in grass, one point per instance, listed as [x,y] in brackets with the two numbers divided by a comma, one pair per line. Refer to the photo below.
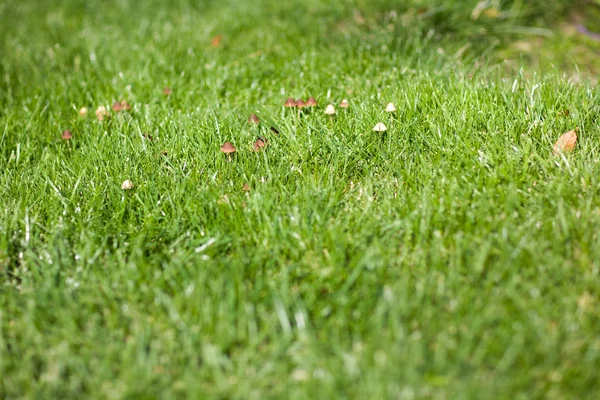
[344,104]
[246,187]
[380,127]
[253,119]
[66,135]
[289,103]
[311,102]
[121,106]
[390,108]
[127,185]
[330,110]
[228,149]
[259,144]
[300,104]
[101,113]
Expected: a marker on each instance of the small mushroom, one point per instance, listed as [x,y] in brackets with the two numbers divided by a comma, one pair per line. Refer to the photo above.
[259,144]
[253,119]
[246,187]
[390,108]
[66,135]
[121,106]
[82,112]
[290,103]
[227,148]
[125,106]
[311,102]
[101,113]
[380,127]
[344,104]
[330,110]
[300,104]
[127,185]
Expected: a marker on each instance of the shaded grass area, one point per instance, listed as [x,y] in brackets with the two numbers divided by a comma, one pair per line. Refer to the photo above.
[452,257]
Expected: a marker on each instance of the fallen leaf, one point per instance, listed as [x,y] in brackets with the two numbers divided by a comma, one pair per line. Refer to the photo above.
[566,142]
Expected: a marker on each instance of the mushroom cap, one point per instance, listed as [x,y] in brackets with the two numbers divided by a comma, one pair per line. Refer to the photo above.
[259,144]
[246,187]
[167,91]
[101,113]
[66,135]
[83,111]
[330,110]
[125,105]
[380,127]
[253,119]
[344,104]
[127,184]
[290,102]
[117,107]
[311,102]
[300,103]
[227,148]
[390,108]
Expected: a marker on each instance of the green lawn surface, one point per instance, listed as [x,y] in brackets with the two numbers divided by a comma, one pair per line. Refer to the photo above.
[452,257]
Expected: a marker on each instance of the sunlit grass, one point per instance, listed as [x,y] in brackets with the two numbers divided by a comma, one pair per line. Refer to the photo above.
[451,256]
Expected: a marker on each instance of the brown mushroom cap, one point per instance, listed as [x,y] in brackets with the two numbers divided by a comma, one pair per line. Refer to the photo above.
[125,105]
[290,102]
[311,102]
[167,91]
[344,104]
[300,103]
[121,106]
[259,144]
[246,187]
[66,135]
[253,119]
[227,148]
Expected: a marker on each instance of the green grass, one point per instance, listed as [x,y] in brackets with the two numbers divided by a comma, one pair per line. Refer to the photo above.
[453,257]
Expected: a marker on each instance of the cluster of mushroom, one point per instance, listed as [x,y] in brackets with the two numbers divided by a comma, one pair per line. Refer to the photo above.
[229,148]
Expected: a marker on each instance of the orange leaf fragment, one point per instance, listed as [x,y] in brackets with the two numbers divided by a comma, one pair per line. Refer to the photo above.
[566,142]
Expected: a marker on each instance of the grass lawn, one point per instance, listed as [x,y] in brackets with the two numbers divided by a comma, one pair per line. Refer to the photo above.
[453,256]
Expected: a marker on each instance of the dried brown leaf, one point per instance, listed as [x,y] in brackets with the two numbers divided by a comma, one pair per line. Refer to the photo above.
[566,142]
